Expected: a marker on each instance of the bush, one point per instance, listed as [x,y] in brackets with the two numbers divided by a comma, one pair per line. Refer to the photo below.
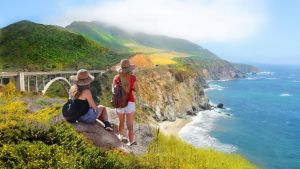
[35,140]
[13,107]
[36,155]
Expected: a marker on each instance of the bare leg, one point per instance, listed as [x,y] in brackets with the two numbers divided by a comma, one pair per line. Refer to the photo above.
[103,116]
[121,117]
[129,123]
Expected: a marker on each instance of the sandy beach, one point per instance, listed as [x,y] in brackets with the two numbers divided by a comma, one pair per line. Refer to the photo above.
[173,128]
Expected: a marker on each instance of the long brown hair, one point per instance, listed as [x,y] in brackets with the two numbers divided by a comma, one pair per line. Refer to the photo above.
[125,80]
[75,90]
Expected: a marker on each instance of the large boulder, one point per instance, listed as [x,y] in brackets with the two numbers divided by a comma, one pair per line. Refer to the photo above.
[220,105]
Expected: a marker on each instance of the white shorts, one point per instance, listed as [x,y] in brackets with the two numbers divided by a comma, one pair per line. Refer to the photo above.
[130,108]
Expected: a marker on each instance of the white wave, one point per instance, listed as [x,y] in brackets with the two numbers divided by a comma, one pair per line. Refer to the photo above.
[198,131]
[214,87]
[295,81]
[272,78]
[285,95]
[228,108]
[224,80]
[254,78]
[265,73]
[220,111]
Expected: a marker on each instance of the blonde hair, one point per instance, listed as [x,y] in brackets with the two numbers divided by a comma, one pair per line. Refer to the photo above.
[125,80]
[75,91]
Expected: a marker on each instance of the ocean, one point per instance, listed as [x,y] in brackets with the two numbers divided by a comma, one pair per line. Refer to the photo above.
[261,119]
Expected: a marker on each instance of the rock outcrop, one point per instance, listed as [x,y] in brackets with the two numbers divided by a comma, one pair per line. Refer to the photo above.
[98,136]
[168,93]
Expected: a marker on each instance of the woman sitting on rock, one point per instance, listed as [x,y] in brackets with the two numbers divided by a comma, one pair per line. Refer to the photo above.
[129,84]
[81,94]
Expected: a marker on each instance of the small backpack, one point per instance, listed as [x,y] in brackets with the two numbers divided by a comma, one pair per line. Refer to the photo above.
[120,97]
[70,111]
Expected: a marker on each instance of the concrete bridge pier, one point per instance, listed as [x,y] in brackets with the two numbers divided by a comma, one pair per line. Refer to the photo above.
[36,84]
[28,83]
[20,82]
[43,82]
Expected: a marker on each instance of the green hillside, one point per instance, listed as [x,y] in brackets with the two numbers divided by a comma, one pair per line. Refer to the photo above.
[112,37]
[29,46]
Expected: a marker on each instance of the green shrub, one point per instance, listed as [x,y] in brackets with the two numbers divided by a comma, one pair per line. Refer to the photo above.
[36,155]
[35,140]
[13,107]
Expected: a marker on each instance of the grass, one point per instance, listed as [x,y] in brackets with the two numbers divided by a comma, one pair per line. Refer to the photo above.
[165,58]
[136,48]
[171,152]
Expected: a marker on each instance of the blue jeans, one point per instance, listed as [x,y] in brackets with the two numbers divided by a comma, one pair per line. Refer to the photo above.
[89,117]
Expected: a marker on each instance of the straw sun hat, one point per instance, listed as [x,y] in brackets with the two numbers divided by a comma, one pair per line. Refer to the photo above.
[125,66]
[82,78]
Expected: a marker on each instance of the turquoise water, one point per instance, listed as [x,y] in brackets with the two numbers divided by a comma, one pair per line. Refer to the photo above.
[262,119]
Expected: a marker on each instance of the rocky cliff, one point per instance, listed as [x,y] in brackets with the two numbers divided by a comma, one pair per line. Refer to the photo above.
[245,68]
[168,93]
[214,68]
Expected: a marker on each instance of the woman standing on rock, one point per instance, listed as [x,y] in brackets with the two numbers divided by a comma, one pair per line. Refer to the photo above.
[129,84]
[81,95]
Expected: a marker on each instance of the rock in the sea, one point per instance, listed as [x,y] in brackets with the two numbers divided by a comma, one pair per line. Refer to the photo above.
[220,105]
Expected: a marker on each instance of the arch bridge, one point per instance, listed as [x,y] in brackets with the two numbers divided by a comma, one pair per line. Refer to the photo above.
[41,81]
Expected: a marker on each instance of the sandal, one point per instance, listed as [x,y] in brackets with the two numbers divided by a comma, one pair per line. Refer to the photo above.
[108,126]
[131,144]
[122,138]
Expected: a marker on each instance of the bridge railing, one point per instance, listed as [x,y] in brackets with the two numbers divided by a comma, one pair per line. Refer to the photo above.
[19,77]
[14,74]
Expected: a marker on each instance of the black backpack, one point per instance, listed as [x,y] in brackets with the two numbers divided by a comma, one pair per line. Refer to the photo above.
[70,111]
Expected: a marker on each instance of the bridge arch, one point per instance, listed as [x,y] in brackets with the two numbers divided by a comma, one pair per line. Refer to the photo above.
[60,79]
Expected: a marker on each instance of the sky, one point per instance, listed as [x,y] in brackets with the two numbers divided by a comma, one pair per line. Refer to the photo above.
[256,31]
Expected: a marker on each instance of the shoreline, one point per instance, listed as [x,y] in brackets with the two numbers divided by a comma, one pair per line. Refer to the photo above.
[173,127]
[207,119]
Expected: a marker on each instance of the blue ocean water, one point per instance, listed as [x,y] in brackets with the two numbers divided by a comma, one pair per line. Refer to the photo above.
[262,119]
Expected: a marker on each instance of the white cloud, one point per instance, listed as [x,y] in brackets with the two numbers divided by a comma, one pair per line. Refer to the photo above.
[196,20]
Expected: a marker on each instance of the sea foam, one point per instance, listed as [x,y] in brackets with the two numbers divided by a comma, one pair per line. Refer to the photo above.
[272,78]
[198,131]
[285,95]
[214,87]
[265,73]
